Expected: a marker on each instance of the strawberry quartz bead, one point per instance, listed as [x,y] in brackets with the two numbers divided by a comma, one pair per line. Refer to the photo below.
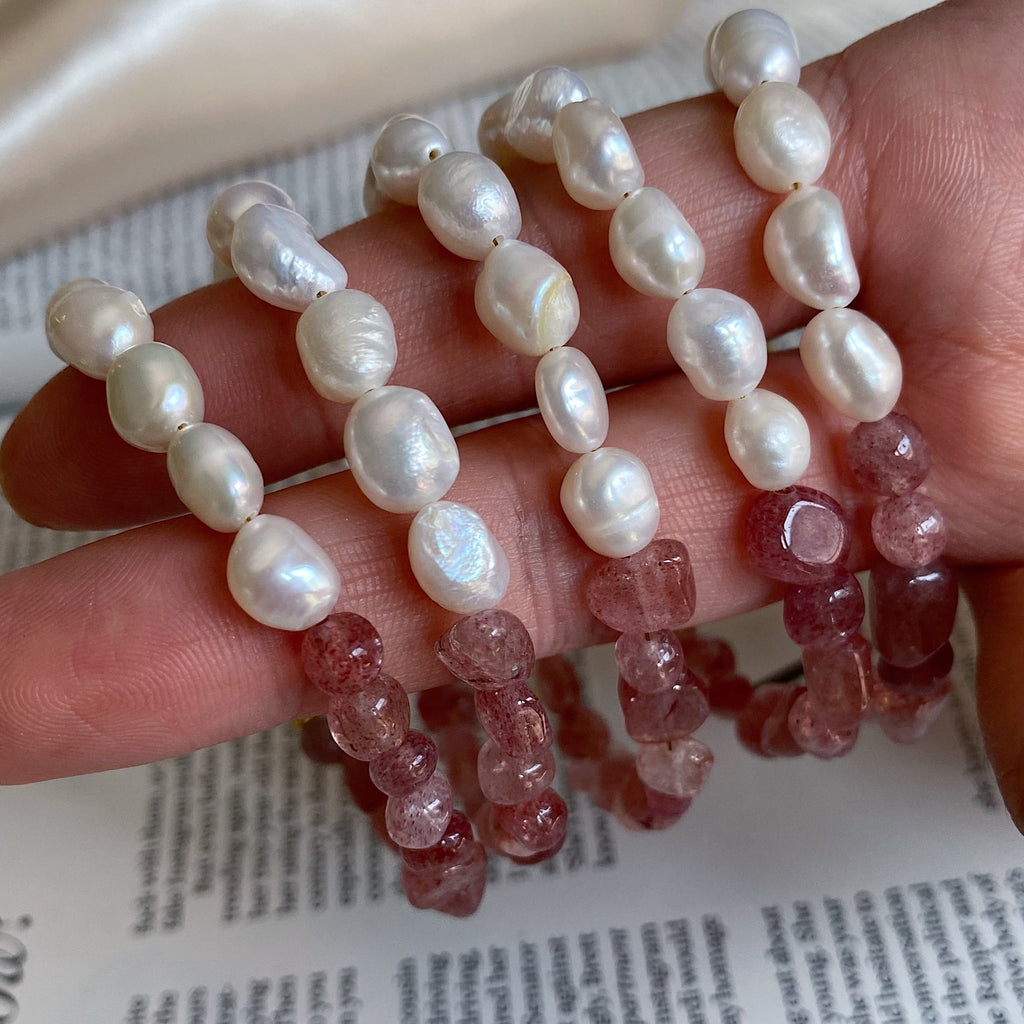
[909,530]
[889,456]
[672,714]
[369,718]
[839,681]
[317,743]
[420,818]
[651,590]
[514,718]
[650,662]
[906,718]
[511,780]
[679,767]
[409,765]
[488,650]
[921,680]
[452,889]
[766,702]
[813,736]
[343,650]
[819,614]
[640,807]
[912,611]
[454,847]
[447,705]
[583,733]
[558,683]
[538,824]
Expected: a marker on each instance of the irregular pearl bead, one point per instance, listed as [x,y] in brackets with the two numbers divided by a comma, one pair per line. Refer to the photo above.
[89,323]
[215,476]
[404,146]
[456,559]
[346,342]
[596,159]
[768,439]
[782,137]
[526,298]
[718,341]
[653,247]
[853,363]
[572,400]
[399,448]
[533,108]
[278,258]
[490,133]
[231,204]
[609,498]
[280,576]
[151,392]
[467,202]
[807,249]
[748,48]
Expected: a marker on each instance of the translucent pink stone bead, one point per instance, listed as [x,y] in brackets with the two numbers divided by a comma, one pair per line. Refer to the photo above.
[369,718]
[505,779]
[454,847]
[650,662]
[583,733]
[317,743]
[452,889]
[909,530]
[558,683]
[651,590]
[839,681]
[798,535]
[889,456]
[922,680]
[911,611]
[488,650]
[408,766]
[447,705]
[343,649]
[813,736]
[762,726]
[514,718]
[710,657]
[819,614]
[419,819]
[640,807]
[539,823]
[679,767]
[672,714]
[906,719]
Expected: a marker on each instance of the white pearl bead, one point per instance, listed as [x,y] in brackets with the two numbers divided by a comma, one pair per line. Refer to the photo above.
[490,133]
[405,145]
[596,159]
[526,298]
[653,247]
[853,363]
[718,341]
[399,448]
[280,576]
[807,249]
[456,560]
[768,439]
[467,202]
[572,400]
[782,137]
[231,204]
[748,48]
[278,258]
[89,323]
[534,105]
[346,341]
[215,476]
[608,497]
[151,392]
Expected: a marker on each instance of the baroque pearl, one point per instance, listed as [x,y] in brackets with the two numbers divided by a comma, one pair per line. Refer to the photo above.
[807,249]
[572,400]
[748,48]
[467,202]
[718,341]
[533,108]
[490,133]
[151,392]
[596,159]
[278,258]
[768,439]
[653,247]
[280,576]
[853,363]
[608,497]
[89,323]
[456,559]
[526,298]
[215,476]
[399,448]
[346,342]
[782,137]
[404,146]
[231,204]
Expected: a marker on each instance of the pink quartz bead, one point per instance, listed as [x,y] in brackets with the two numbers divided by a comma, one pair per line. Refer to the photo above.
[905,718]
[911,611]
[488,650]
[454,847]
[640,807]
[582,732]
[813,736]
[452,889]
[710,657]
[420,818]
[679,767]
[342,650]
[369,718]
[538,824]
[447,705]
[317,743]
[672,714]
[921,680]
[820,614]
[798,535]
[763,704]
[728,695]
[558,684]
[505,779]
[651,590]
[889,456]
[408,766]
[839,681]
[514,718]
[650,662]
[909,530]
